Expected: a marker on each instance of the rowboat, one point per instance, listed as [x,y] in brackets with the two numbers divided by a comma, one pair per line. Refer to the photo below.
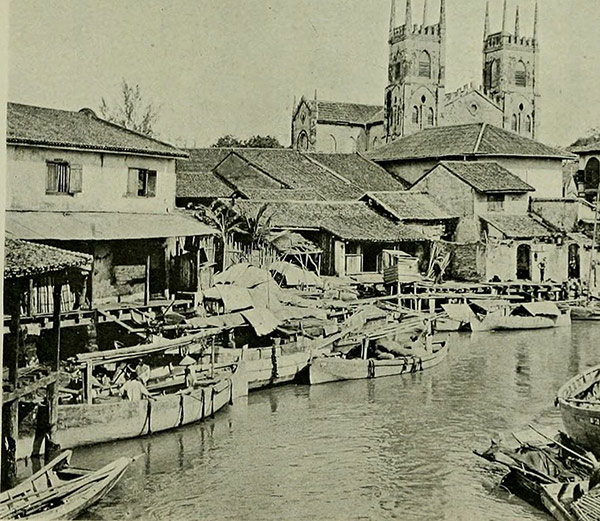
[572,501]
[336,368]
[112,418]
[580,408]
[59,491]
[531,315]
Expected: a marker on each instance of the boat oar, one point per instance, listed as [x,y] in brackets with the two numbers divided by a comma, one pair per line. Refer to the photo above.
[564,447]
[536,473]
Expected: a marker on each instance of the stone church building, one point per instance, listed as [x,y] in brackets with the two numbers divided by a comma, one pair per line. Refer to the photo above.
[415,97]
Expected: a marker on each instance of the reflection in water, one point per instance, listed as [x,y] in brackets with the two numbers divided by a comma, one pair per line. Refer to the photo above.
[392,448]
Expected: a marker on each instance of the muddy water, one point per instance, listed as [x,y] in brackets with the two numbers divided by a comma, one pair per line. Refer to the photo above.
[395,448]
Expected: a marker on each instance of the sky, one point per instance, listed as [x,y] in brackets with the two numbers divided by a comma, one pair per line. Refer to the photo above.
[216,67]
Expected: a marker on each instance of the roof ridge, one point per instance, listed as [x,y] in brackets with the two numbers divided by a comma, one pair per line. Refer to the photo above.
[331,171]
[479,138]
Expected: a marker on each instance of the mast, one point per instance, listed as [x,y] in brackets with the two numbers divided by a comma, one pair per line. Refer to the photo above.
[593,250]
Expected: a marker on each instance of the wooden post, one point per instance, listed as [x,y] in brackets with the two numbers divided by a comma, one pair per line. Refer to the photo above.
[88,382]
[212,358]
[52,448]
[147,282]
[10,411]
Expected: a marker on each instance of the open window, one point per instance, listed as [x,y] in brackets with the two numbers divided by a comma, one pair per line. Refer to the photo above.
[63,177]
[141,183]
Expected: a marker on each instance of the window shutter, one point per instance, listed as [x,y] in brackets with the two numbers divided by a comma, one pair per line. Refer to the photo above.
[75,179]
[151,183]
[132,182]
[51,178]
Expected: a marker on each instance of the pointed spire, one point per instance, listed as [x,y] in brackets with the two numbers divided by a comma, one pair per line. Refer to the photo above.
[535,22]
[504,17]
[486,22]
[408,17]
[393,16]
[443,14]
[425,13]
[517,22]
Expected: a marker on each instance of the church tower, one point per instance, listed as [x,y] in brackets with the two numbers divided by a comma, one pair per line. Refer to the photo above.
[414,96]
[510,62]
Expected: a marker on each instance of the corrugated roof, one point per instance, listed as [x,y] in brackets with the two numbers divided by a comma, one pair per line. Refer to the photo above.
[409,206]
[101,226]
[22,259]
[518,226]
[364,173]
[486,176]
[473,139]
[339,112]
[297,171]
[31,125]
[349,220]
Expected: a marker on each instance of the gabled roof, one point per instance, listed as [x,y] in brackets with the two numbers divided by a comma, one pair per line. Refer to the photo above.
[459,94]
[409,206]
[41,126]
[518,226]
[349,220]
[459,141]
[350,113]
[195,177]
[22,259]
[281,194]
[587,144]
[485,176]
[364,173]
[297,171]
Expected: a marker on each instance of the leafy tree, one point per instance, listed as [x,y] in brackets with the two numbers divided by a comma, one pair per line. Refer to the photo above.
[258,227]
[227,142]
[222,216]
[262,142]
[591,136]
[131,111]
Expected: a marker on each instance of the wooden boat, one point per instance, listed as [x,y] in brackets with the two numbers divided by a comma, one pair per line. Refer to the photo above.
[335,368]
[590,311]
[579,404]
[532,315]
[113,418]
[59,491]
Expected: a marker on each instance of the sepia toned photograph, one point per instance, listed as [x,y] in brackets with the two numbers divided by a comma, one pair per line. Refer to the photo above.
[275,260]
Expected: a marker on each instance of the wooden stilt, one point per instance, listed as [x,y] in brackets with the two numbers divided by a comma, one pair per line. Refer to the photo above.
[147,283]
[52,448]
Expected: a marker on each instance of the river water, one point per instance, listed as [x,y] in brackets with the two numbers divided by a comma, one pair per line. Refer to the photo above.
[392,448]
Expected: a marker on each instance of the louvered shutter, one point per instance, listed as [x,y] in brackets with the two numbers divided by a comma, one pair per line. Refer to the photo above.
[75,178]
[51,178]
[132,182]
[151,183]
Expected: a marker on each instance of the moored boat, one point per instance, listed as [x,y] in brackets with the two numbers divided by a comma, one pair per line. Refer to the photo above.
[336,368]
[579,402]
[59,491]
[531,315]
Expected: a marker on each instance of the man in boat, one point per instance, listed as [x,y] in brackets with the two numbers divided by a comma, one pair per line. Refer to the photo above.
[142,371]
[134,390]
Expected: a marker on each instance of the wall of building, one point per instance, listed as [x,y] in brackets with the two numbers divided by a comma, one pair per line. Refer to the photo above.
[341,139]
[470,107]
[104,182]
[514,204]
[545,175]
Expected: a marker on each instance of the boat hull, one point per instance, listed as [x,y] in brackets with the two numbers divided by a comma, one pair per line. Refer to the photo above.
[334,369]
[88,424]
[581,421]
[497,321]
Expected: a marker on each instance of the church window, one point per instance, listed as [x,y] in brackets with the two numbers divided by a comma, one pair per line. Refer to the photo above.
[398,71]
[528,124]
[473,108]
[303,117]
[591,175]
[521,75]
[303,141]
[425,65]
[375,142]
[333,143]
[514,124]
[430,117]
[415,115]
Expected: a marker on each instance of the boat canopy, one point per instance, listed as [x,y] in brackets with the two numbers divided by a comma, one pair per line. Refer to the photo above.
[541,308]
[459,312]
[489,305]
[263,321]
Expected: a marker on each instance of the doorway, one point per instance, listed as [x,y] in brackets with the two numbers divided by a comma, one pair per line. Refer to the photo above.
[524,262]
[574,267]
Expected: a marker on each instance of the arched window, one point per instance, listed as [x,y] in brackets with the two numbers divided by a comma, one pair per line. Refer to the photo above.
[430,117]
[591,175]
[514,124]
[425,65]
[528,124]
[302,143]
[521,75]
[415,115]
[354,146]
[375,142]
[333,143]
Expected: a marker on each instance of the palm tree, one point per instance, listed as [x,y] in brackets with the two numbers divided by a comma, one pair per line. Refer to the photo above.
[222,216]
[258,227]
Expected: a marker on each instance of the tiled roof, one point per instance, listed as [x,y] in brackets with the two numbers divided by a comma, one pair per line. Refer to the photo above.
[22,258]
[338,112]
[297,171]
[364,173]
[487,176]
[30,125]
[349,220]
[588,144]
[282,194]
[195,177]
[455,141]
[409,206]
[518,226]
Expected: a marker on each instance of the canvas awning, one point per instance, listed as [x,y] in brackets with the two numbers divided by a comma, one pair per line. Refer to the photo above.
[459,312]
[262,320]
[295,275]
[234,298]
[97,226]
[542,308]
